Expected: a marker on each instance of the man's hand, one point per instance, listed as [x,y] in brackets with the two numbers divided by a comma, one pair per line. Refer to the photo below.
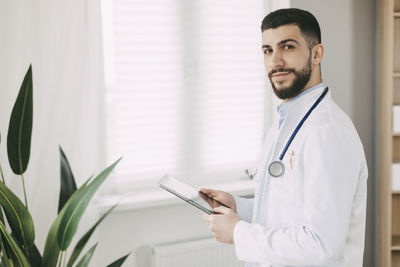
[222,224]
[221,196]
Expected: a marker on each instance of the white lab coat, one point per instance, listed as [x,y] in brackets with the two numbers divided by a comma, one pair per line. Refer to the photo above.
[314,215]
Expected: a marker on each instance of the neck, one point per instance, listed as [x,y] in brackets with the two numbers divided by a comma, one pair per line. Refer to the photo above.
[306,87]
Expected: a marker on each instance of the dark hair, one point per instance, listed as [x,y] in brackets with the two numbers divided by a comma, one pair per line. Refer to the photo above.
[307,23]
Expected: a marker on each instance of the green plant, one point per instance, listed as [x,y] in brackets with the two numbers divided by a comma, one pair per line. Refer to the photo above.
[17,248]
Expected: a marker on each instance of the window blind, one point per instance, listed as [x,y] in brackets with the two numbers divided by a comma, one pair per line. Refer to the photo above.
[232,83]
[185,89]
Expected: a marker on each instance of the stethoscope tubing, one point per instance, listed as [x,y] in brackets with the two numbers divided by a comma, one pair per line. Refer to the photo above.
[302,122]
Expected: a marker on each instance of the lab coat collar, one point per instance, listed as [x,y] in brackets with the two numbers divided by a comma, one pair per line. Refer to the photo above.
[284,107]
[296,111]
[305,99]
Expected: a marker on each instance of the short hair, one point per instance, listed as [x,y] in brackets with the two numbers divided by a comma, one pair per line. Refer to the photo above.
[306,21]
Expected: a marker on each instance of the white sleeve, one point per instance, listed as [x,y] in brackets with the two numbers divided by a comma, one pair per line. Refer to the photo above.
[244,207]
[331,174]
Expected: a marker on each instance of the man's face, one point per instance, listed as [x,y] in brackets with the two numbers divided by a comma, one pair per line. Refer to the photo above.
[287,60]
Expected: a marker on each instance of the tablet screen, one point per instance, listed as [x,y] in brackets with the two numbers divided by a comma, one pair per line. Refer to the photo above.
[187,193]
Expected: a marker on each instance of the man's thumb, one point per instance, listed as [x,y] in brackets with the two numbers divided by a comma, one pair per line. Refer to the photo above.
[221,210]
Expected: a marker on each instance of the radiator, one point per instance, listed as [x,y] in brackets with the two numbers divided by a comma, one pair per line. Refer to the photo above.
[189,253]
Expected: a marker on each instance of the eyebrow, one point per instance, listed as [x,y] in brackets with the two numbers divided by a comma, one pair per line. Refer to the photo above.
[282,42]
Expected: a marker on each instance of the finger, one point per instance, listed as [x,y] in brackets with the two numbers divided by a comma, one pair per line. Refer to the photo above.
[207,191]
[222,210]
[206,217]
[204,196]
[210,200]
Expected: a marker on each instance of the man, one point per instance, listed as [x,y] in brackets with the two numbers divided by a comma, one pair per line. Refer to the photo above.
[310,204]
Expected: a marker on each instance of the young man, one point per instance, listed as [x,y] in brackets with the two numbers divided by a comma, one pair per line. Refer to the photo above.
[310,197]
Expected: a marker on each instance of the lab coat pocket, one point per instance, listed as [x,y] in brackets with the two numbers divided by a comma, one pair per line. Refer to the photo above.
[285,207]
[289,186]
[295,176]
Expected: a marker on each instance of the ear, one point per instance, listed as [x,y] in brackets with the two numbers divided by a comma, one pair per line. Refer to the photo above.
[318,51]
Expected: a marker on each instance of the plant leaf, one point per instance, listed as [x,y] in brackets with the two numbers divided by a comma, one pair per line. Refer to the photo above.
[6,262]
[2,215]
[52,249]
[34,256]
[17,256]
[67,185]
[1,238]
[82,242]
[84,262]
[7,251]
[20,127]
[18,216]
[77,206]
[119,262]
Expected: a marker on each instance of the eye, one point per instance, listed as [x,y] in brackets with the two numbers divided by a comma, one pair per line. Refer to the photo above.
[287,47]
[267,51]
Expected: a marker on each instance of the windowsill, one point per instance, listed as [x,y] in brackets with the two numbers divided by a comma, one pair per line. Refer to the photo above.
[159,197]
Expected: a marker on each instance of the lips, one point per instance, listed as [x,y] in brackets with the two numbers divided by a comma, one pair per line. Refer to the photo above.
[280,74]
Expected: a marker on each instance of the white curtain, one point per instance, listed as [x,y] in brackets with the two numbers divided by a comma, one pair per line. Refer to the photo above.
[62,40]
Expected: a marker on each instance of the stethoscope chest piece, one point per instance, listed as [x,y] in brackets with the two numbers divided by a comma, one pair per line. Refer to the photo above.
[276,169]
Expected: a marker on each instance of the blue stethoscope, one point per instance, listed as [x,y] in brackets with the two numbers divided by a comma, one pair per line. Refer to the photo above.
[277,168]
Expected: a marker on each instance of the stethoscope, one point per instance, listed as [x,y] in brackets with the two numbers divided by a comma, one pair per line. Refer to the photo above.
[277,168]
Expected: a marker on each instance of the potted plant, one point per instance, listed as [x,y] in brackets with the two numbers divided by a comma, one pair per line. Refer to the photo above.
[17,247]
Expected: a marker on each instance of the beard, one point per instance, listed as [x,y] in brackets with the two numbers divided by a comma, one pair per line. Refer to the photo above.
[301,79]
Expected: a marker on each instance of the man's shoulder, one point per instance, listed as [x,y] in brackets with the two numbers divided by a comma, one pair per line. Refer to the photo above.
[330,121]
[330,115]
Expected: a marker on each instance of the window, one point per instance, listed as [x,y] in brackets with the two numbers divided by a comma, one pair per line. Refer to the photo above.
[185,89]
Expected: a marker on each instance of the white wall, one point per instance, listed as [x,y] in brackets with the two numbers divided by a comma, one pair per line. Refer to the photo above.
[128,230]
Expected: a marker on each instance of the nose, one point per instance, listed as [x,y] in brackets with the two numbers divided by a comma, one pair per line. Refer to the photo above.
[275,60]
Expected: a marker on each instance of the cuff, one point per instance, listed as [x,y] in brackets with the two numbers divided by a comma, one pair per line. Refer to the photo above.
[244,207]
[239,240]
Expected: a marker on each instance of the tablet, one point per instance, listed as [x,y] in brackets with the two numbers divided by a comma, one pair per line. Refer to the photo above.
[189,194]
